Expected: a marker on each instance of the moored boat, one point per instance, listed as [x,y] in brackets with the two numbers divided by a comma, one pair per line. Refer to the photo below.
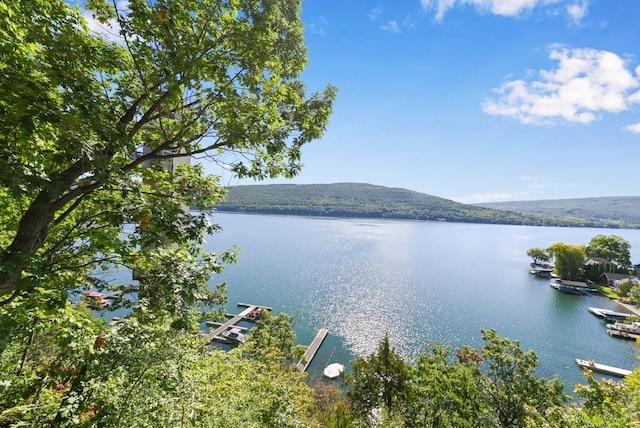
[233,334]
[568,287]
[633,328]
[622,334]
[333,370]
[543,270]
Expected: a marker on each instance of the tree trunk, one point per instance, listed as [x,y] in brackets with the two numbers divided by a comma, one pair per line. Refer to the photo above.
[31,234]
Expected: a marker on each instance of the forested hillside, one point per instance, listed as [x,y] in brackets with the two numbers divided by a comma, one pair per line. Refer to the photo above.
[366,200]
[622,209]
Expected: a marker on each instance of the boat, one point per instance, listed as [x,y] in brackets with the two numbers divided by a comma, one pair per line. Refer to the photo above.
[568,287]
[333,370]
[610,315]
[542,272]
[255,314]
[633,328]
[622,334]
[624,330]
[602,368]
[233,334]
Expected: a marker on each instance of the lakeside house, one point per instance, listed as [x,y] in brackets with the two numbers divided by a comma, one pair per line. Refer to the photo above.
[614,280]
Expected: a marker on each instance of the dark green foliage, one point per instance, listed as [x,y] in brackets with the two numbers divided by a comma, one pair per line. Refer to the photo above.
[369,201]
[380,381]
[495,386]
[613,248]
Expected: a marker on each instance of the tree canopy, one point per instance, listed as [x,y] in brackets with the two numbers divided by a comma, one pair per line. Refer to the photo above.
[613,248]
[94,131]
[538,255]
[568,260]
[83,115]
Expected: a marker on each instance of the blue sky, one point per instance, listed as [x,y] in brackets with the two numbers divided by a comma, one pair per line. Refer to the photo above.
[478,100]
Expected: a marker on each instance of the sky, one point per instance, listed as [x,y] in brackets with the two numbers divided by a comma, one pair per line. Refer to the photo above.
[477,100]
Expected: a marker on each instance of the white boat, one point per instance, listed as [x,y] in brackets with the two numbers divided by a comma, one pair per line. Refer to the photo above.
[233,334]
[602,368]
[333,370]
[633,328]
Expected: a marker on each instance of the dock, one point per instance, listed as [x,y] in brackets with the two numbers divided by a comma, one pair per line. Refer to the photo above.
[311,350]
[216,334]
[608,314]
[602,368]
[623,334]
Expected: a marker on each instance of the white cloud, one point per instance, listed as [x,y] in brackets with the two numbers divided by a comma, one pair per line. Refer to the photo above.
[633,128]
[317,25]
[392,26]
[375,13]
[576,9]
[529,178]
[586,83]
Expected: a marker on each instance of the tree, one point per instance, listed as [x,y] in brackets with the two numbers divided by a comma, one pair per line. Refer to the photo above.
[538,255]
[613,248]
[379,381]
[274,340]
[82,115]
[446,392]
[568,260]
[89,127]
[492,387]
[603,402]
[510,387]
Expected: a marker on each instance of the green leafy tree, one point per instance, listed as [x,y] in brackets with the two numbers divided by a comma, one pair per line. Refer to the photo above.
[613,248]
[381,382]
[568,260]
[492,387]
[83,115]
[538,255]
[274,340]
[446,392]
[510,387]
[92,130]
[603,403]
[633,295]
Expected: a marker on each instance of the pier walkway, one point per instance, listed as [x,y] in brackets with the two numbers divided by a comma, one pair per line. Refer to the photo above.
[311,350]
[216,334]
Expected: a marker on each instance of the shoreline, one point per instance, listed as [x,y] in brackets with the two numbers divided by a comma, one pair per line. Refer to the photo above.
[631,308]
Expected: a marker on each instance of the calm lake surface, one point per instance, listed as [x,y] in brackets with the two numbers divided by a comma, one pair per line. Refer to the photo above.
[419,281]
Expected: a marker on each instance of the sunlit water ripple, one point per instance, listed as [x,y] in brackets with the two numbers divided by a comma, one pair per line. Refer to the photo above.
[418,281]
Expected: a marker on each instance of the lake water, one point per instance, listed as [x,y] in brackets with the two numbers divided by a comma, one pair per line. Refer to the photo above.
[420,282]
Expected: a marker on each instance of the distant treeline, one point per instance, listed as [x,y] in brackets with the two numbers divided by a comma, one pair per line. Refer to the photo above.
[369,201]
[622,209]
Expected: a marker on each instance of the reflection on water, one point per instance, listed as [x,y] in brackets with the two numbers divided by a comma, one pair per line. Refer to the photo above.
[419,282]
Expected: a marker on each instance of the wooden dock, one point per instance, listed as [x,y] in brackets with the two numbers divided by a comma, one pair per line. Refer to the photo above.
[602,368]
[216,334]
[311,350]
[623,334]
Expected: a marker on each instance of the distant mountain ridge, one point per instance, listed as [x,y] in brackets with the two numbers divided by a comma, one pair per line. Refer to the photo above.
[371,201]
[622,209]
